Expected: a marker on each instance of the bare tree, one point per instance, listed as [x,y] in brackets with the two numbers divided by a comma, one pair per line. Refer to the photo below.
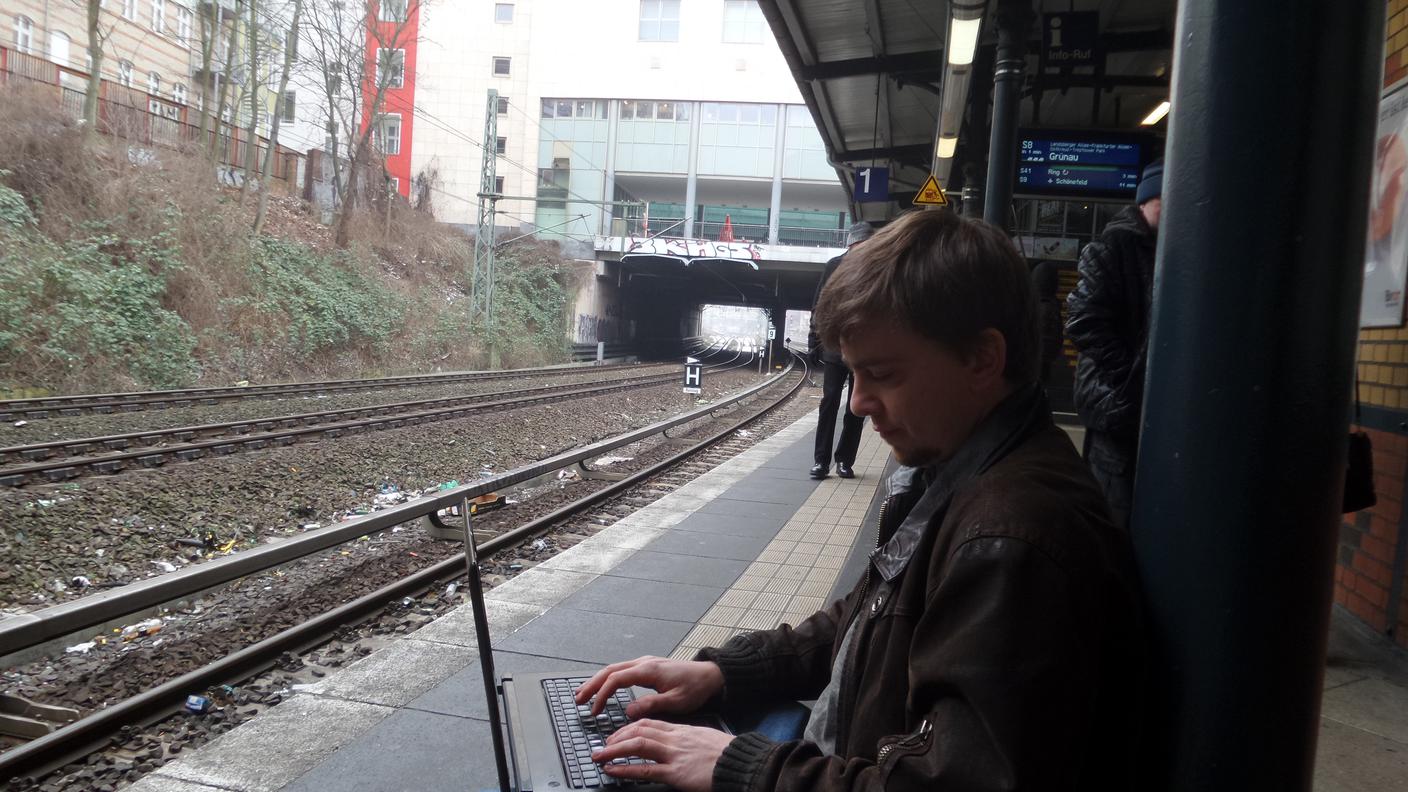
[231,50]
[97,37]
[333,38]
[355,90]
[252,81]
[290,46]
[211,17]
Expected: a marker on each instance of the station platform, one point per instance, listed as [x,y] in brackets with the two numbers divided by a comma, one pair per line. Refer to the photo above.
[749,545]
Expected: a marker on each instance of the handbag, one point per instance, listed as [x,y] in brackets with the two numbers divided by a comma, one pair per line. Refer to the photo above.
[1359,466]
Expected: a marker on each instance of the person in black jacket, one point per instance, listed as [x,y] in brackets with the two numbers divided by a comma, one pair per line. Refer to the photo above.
[835,377]
[1108,321]
[1045,277]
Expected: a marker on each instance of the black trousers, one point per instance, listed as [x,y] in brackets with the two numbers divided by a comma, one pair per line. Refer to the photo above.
[836,378]
[1112,461]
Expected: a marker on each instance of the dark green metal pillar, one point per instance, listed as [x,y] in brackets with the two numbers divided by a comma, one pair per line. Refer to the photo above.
[1014,19]
[1241,462]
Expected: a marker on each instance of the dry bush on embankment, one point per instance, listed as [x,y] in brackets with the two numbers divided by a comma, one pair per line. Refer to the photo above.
[125,267]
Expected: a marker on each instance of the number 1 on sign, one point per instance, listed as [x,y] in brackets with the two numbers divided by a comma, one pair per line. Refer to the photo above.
[865,174]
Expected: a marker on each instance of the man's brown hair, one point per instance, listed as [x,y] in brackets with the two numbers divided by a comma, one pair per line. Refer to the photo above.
[943,276]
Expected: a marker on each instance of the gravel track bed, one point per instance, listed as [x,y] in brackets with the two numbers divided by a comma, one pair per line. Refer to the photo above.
[102,424]
[109,530]
[259,606]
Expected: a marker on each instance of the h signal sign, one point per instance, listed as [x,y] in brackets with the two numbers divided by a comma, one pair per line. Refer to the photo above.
[693,376]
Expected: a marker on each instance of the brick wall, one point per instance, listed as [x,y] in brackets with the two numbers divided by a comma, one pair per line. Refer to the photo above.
[1365,573]
[1368,540]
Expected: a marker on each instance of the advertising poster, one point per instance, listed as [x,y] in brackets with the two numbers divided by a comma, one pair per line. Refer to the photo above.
[1386,257]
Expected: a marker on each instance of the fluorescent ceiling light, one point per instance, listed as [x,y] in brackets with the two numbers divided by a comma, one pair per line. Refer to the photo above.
[947,144]
[963,40]
[1156,115]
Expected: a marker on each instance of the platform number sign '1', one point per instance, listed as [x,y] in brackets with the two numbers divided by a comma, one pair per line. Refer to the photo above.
[872,184]
[693,376]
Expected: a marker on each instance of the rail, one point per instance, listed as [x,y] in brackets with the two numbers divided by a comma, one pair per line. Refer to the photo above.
[42,406]
[26,630]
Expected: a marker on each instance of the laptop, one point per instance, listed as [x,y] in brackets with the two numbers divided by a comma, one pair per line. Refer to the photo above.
[550,738]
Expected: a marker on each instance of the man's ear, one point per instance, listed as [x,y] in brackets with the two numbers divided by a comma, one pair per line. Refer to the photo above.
[987,361]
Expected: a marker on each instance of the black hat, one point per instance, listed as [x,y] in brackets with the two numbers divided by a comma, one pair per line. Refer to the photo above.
[1151,182]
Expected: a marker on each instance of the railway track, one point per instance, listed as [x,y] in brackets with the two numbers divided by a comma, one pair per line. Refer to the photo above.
[99,727]
[60,460]
[64,406]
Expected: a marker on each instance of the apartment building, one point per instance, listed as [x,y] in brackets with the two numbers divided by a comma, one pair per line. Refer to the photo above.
[684,104]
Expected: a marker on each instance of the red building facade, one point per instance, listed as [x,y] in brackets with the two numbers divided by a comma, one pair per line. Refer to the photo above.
[392,36]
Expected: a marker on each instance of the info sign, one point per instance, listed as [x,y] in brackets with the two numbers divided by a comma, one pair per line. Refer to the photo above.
[1069,38]
[1386,255]
[1086,168]
[872,184]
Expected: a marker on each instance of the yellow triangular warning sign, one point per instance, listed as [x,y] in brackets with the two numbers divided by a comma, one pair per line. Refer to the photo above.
[931,194]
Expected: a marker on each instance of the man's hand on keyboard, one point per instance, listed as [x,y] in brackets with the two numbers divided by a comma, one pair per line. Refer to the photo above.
[681,685]
[683,756]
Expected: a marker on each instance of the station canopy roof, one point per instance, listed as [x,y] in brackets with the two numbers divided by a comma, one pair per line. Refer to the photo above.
[873,74]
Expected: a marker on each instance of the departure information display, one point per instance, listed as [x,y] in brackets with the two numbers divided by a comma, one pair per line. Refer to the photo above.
[1068,164]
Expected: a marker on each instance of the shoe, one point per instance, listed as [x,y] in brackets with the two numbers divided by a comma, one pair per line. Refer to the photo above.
[819,471]
[844,471]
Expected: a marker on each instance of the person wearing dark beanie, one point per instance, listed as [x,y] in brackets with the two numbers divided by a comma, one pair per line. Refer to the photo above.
[1107,319]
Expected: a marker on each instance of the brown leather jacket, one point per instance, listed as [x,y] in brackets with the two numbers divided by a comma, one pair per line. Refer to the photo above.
[998,644]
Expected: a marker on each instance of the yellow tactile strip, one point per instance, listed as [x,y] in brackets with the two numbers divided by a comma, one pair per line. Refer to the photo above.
[790,579]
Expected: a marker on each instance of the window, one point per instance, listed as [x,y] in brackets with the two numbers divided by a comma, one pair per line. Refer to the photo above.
[503,12]
[659,20]
[499,185]
[153,83]
[552,185]
[159,16]
[388,133]
[178,93]
[24,34]
[291,44]
[392,10]
[287,109]
[581,108]
[124,73]
[129,9]
[500,145]
[503,105]
[59,48]
[751,114]
[183,24]
[391,67]
[501,67]
[743,22]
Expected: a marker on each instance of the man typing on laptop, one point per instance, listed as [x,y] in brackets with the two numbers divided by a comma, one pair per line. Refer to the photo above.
[993,642]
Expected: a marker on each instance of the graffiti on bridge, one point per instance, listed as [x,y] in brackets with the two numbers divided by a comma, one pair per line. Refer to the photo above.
[686,250]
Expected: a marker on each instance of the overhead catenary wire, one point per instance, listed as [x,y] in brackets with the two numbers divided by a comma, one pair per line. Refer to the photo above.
[526,221]
[449,129]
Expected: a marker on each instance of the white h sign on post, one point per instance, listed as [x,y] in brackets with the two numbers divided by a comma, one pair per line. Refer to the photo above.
[693,376]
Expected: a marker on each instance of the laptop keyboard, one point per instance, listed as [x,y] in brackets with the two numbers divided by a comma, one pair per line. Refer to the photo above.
[578,733]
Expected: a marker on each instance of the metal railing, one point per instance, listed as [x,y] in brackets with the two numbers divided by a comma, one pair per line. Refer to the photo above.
[811,237]
[142,117]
